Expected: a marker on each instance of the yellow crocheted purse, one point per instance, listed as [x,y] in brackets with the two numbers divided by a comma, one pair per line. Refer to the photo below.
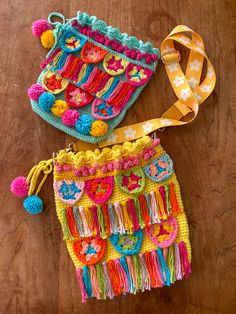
[120,207]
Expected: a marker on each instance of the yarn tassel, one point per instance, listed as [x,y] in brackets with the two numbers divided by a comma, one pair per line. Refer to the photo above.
[78,221]
[101,223]
[87,281]
[107,221]
[154,207]
[139,214]
[89,219]
[148,201]
[162,192]
[120,218]
[178,270]
[82,73]
[144,209]
[65,227]
[186,266]
[109,290]
[50,58]
[174,204]
[101,281]
[126,269]
[106,87]
[132,272]
[89,69]
[121,95]
[87,231]
[159,199]
[67,65]
[113,220]
[127,220]
[96,223]
[59,65]
[122,276]
[71,222]
[74,69]
[132,214]
[111,89]
[156,268]
[94,282]
[137,270]
[99,83]
[114,277]
[93,77]
[81,284]
[168,203]
[146,282]
[165,273]
[171,263]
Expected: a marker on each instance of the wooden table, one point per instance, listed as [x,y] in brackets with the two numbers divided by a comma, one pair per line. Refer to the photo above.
[36,273]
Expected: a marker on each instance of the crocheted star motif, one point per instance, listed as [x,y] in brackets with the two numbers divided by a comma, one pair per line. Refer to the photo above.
[53,82]
[131,181]
[114,64]
[69,190]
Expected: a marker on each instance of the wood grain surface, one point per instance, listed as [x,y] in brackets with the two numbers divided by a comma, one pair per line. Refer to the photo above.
[36,273]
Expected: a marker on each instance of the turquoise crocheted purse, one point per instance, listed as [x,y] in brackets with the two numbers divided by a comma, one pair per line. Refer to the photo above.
[91,76]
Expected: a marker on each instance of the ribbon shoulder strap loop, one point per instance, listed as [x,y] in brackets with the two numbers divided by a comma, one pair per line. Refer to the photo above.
[187,87]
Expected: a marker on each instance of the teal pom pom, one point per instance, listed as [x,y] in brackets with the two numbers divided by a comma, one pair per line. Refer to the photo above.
[83,124]
[46,100]
[33,204]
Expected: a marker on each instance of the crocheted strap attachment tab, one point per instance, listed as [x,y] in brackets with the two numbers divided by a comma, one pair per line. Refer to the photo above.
[189,90]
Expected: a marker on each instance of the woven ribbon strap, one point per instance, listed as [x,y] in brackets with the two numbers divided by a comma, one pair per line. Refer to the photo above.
[187,87]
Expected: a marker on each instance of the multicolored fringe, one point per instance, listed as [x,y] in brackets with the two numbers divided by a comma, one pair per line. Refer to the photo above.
[129,216]
[153,269]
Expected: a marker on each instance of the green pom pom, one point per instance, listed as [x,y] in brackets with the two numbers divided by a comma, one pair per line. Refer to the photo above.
[33,204]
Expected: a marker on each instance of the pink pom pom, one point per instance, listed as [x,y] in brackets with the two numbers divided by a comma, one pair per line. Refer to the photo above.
[70,117]
[40,26]
[35,91]
[20,187]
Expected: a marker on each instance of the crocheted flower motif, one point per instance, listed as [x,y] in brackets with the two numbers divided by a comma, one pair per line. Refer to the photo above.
[71,42]
[131,181]
[89,250]
[69,191]
[103,111]
[137,75]
[114,65]
[127,244]
[76,97]
[91,53]
[163,234]
[99,190]
[53,82]
[159,169]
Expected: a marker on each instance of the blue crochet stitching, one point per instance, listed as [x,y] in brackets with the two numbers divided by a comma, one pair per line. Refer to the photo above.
[69,190]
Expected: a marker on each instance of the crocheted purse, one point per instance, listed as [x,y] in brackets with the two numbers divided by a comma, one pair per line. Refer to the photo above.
[91,76]
[120,208]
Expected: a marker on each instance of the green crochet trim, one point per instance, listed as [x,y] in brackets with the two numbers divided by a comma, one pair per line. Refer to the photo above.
[114,33]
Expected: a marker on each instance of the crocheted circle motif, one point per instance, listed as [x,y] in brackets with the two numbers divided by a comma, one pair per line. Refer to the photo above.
[76,97]
[99,190]
[137,75]
[159,169]
[89,250]
[114,65]
[53,82]
[127,244]
[71,42]
[91,53]
[131,181]
[69,191]
[163,234]
[103,111]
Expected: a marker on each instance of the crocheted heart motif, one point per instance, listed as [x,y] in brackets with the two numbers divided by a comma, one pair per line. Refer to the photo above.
[53,82]
[76,97]
[131,181]
[163,234]
[159,169]
[91,53]
[101,110]
[89,250]
[127,244]
[69,191]
[71,42]
[99,190]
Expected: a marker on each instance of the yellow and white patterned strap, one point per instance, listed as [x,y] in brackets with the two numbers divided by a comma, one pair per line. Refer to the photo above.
[190,91]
